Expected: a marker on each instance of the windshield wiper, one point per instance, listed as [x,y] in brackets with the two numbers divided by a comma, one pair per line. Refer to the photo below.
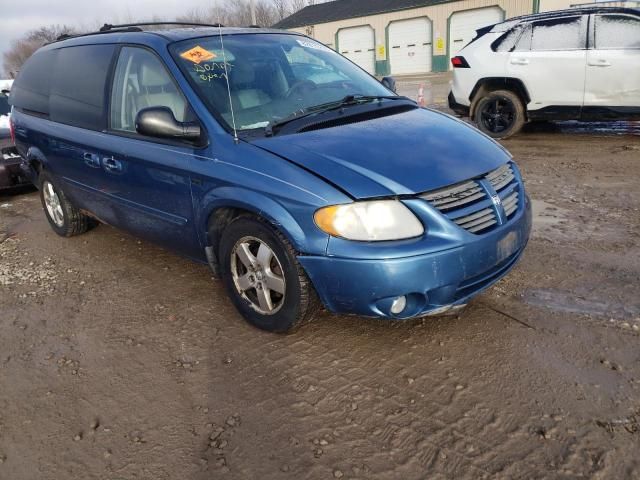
[348,101]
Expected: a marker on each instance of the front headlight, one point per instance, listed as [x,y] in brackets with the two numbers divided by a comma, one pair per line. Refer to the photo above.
[372,221]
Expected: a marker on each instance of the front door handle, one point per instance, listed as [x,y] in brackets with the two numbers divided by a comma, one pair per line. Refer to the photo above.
[519,61]
[91,159]
[112,165]
[599,62]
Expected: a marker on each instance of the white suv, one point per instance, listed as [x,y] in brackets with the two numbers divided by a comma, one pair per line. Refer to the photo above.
[577,64]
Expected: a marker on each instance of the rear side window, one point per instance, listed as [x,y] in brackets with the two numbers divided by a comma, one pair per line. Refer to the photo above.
[141,81]
[78,86]
[617,32]
[559,34]
[31,89]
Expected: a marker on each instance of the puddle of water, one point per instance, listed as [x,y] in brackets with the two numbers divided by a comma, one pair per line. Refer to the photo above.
[570,302]
[546,214]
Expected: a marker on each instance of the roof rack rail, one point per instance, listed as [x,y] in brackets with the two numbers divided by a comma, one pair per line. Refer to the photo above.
[108,27]
[66,36]
[132,27]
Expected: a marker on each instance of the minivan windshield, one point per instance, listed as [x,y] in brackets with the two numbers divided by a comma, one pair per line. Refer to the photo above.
[271,76]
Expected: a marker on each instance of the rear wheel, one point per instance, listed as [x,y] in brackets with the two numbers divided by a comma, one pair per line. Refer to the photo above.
[263,276]
[65,219]
[499,114]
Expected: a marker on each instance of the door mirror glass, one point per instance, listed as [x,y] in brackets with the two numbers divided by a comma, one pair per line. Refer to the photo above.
[160,122]
[390,83]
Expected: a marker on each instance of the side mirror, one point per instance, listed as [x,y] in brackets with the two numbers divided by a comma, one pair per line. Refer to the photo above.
[159,122]
[390,83]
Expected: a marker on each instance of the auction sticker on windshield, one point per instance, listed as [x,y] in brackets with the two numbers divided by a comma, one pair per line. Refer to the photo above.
[198,54]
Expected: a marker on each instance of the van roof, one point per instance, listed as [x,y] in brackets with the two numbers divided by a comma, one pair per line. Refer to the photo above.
[116,34]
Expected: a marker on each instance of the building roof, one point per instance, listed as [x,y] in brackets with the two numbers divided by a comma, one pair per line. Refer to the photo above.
[343,9]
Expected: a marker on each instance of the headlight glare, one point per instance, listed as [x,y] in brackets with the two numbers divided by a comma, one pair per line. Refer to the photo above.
[377,220]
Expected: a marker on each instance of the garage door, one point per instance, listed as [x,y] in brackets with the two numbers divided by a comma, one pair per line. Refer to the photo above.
[358,45]
[463,26]
[410,46]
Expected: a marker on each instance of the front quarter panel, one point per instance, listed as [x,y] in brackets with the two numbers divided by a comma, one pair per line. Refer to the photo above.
[246,177]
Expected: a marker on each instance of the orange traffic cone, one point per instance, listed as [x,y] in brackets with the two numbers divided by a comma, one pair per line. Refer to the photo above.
[421,95]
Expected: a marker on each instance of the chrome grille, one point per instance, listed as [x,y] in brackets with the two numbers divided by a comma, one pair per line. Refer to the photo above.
[501,177]
[469,204]
[455,196]
[510,204]
[478,221]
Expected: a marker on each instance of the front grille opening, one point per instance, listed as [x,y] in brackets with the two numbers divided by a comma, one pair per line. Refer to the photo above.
[468,204]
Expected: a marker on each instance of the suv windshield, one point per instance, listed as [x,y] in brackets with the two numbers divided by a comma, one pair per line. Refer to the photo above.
[271,76]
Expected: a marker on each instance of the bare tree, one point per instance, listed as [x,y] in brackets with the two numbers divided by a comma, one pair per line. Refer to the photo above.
[281,8]
[227,12]
[22,48]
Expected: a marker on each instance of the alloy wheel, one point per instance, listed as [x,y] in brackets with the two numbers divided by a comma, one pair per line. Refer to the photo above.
[258,275]
[52,202]
[498,115]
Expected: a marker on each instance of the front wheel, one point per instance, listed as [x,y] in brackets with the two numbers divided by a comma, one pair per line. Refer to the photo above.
[263,276]
[499,114]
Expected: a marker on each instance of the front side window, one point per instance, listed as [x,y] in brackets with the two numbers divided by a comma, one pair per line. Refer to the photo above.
[141,81]
[617,32]
[559,34]
[270,76]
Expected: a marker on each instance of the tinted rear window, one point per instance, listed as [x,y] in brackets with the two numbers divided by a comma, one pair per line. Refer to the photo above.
[78,86]
[30,91]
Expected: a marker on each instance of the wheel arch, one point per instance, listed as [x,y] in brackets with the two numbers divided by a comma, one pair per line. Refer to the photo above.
[37,161]
[489,84]
[223,204]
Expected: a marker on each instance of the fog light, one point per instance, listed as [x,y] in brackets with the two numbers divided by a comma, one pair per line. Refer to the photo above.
[398,305]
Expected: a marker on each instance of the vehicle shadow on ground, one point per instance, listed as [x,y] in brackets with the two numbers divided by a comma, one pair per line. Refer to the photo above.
[10,193]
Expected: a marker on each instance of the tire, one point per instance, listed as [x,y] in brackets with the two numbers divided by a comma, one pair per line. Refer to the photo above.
[253,290]
[65,219]
[499,114]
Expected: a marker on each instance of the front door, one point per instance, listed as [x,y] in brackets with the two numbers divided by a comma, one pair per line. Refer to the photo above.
[613,67]
[550,59]
[148,181]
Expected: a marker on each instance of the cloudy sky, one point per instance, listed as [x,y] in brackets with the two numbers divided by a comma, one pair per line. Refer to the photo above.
[18,16]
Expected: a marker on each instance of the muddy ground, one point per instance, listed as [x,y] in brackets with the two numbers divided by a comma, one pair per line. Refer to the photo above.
[119,360]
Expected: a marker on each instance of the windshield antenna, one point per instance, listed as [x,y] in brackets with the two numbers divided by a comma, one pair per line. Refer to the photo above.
[236,140]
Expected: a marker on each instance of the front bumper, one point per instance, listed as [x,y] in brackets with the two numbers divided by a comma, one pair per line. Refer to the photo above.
[431,283]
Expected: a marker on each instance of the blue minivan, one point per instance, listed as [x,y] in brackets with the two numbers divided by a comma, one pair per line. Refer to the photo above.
[298,177]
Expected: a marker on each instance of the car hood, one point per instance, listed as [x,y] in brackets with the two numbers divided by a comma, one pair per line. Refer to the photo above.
[403,154]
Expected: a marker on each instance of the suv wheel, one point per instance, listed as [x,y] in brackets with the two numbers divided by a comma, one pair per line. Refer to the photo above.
[65,219]
[263,277]
[499,114]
